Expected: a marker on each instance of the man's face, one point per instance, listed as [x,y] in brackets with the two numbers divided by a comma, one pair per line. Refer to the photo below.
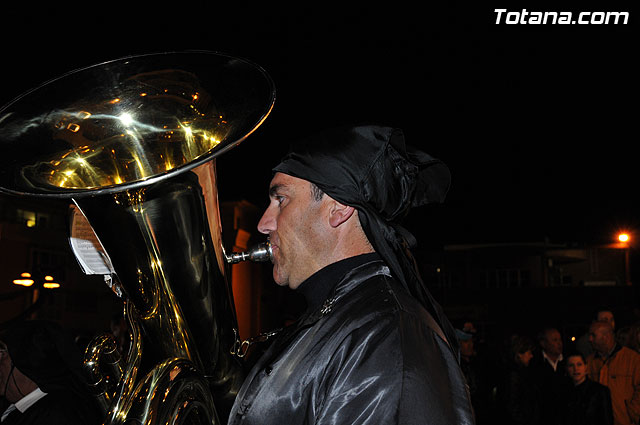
[576,369]
[466,347]
[601,338]
[552,343]
[295,224]
[606,316]
[524,358]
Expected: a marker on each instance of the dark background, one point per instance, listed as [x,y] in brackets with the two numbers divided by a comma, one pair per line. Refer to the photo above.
[537,123]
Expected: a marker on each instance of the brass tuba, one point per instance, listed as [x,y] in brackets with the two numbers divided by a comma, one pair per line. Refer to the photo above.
[132,144]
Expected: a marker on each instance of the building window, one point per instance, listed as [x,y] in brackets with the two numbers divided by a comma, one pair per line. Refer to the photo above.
[504,278]
[33,218]
[28,218]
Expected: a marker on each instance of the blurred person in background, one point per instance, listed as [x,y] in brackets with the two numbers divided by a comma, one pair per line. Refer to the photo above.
[40,377]
[517,393]
[618,368]
[585,402]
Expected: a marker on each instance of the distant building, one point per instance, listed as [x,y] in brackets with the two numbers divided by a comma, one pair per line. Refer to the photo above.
[532,265]
[518,287]
[34,240]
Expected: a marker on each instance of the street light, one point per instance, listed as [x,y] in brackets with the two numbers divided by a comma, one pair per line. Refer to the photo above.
[625,239]
[49,283]
[27,280]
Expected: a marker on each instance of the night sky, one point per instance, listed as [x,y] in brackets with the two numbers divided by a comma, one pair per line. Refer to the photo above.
[537,122]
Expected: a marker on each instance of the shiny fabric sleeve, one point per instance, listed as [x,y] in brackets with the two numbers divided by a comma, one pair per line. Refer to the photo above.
[392,373]
[360,386]
[368,357]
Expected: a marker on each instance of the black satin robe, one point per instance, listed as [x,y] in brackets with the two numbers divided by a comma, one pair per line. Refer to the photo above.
[367,355]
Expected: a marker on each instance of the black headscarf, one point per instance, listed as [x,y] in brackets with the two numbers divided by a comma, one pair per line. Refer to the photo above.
[372,169]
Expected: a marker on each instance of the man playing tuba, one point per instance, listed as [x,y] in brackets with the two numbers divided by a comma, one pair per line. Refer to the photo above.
[373,347]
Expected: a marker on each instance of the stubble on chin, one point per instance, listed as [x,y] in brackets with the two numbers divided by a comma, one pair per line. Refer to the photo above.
[277,269]
[277,278]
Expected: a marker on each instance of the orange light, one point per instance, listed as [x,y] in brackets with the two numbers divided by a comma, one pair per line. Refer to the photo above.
[25,274]
[51,285]
[623,237]
[48,278]
[23,282]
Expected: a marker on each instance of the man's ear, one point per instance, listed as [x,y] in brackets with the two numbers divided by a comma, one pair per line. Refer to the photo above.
[339,213]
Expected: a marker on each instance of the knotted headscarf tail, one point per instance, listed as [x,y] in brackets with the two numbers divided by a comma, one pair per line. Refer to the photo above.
[372,169]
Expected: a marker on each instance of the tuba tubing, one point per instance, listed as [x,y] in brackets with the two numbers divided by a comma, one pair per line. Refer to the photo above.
[103,365]
[169,271]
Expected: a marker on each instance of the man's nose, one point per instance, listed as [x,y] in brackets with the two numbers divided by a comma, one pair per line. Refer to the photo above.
[267,223]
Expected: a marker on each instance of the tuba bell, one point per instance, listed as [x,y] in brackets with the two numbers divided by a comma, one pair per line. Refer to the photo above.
[132,144]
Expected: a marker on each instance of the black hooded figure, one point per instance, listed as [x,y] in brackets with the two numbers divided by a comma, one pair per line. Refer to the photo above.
[373,346]
[41,377]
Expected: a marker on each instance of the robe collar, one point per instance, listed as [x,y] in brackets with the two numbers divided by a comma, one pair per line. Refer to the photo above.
[318,287]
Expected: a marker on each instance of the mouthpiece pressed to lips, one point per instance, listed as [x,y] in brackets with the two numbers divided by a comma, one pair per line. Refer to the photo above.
[259,253]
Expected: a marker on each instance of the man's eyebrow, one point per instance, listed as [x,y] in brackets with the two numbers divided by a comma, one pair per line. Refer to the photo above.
[273,190]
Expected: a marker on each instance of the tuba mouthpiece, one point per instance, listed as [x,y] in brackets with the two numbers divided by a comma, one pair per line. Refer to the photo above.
[258,253]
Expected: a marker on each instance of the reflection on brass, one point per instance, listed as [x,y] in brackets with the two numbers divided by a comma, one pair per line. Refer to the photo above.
[104,368]
[133,144]
[115,141]
[165,261]
[130,198]
[114,381]
[126,122]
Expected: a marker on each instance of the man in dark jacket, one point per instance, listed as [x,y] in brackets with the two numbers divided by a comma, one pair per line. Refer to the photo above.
[548,369]
[40,377]
[373,347]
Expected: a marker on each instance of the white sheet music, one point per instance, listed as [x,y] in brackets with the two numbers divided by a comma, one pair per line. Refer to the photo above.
[87,248]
